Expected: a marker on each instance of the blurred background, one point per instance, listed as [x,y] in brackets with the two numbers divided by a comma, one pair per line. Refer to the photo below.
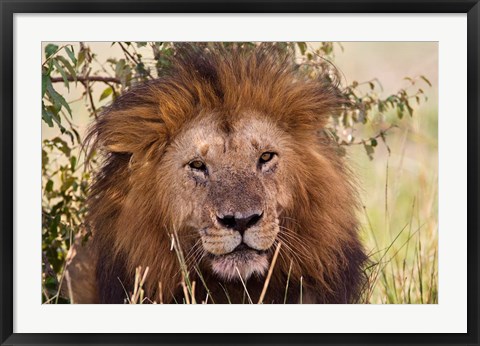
[390,141]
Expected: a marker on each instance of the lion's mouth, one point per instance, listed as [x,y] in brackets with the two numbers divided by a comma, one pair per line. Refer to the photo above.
[243,262]
[244,248]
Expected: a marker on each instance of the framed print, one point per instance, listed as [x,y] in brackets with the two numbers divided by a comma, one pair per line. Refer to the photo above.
[239,173]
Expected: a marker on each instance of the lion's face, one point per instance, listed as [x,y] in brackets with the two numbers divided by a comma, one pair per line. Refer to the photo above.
[229,188]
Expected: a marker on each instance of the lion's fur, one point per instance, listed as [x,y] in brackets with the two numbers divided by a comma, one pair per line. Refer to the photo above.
[130,205]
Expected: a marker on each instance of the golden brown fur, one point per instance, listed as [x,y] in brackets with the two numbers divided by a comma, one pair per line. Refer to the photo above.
[227,107]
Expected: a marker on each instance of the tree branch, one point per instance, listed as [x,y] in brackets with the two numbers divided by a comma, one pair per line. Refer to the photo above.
[382,133]
[88,79]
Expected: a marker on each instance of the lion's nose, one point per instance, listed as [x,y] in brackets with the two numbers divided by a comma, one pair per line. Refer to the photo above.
[239,224]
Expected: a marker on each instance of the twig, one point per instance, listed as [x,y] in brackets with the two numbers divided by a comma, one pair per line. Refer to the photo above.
[288,282]
[85,79]
[244,286]
[132,58]
[269,275]
[138,291]
[127,53]
[90,97]
[193,293]
[69,286]
[378,135]
[48,267]
[113,89]
[185,292]
[133,299]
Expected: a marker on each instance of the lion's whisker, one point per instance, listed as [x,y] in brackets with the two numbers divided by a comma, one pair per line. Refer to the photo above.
[291,251]
[292,232]
[198,250]
[275,243]
[292,237]
[291,219]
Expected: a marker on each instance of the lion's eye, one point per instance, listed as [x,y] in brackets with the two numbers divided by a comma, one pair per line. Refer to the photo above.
[265,157]
[198,165]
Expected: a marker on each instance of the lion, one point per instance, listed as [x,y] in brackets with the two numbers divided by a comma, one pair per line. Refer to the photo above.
[224,154]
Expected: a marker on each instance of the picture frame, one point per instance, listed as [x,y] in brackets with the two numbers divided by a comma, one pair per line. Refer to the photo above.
[8,175]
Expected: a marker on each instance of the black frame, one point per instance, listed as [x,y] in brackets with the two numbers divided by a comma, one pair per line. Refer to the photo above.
[9,7]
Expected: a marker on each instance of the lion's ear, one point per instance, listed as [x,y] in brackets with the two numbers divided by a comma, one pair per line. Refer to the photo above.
[132,130]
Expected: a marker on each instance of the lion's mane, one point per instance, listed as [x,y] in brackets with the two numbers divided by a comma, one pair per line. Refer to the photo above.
[129,230]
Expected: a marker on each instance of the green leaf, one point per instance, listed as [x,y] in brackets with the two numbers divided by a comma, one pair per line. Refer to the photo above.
[62,72]
[62,146]
[50,283]
[50,67]
[68,66]
[400,111]
[71,54]
[70,135]
[49,186]
[54,224]
[81,57]
[73,162]
[327,47]
[409,108]
[45,80]
[47,117]
[45,159]
[57,98]
[302,46]
[119,68]
[106,93]
[391,100]
[50,49]
[53,111]
[426,80]
[77,135]
[67,184]
[370,151]
[381,106]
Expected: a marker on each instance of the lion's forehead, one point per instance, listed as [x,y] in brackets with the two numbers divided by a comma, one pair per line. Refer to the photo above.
[246,136]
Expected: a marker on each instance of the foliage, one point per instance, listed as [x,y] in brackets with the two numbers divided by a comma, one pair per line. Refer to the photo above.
[66,177]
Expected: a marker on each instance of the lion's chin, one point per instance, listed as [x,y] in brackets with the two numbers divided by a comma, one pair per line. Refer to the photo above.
[243,263]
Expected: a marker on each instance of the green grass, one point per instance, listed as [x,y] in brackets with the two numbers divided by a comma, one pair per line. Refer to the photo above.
[400,214]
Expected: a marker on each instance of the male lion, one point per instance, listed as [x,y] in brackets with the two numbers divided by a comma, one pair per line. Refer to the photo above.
[224,151]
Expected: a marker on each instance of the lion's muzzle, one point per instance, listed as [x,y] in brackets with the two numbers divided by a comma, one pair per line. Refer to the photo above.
[238,222]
